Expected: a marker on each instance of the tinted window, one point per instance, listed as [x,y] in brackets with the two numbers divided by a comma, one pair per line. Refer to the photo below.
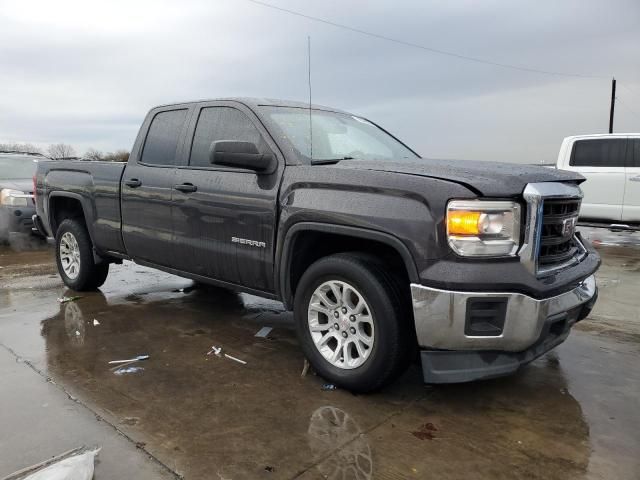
[599,153]
[162,140]
[636,154]
[222,123]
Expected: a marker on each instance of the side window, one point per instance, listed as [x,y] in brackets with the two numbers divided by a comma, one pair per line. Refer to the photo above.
[635,162]
[221,123]
[161,144]
[599,153]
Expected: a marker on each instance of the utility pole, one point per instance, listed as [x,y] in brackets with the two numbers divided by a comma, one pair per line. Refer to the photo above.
[613,104]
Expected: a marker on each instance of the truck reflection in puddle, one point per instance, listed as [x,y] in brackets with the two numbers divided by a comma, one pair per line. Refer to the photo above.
[205,415]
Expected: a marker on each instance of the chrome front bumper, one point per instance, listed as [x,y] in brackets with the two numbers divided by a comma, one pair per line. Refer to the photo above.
[440,317]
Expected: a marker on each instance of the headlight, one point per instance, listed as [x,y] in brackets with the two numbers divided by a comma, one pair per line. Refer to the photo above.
[479,228]
[13,198]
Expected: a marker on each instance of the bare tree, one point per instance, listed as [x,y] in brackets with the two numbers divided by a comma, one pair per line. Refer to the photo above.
[60,151]
[93,154]
[117,156]
[19,147]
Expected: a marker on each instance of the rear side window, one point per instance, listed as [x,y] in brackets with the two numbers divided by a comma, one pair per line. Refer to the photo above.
[599,153]
[161,145]
[222,123]
[635,162]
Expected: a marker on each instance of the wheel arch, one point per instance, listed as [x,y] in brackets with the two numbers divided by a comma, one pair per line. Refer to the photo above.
[296,255]
[63,205]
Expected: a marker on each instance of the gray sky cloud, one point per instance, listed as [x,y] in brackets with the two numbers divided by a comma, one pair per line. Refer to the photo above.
[85,73]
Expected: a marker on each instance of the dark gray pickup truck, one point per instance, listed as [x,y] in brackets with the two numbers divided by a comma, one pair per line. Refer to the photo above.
[382,255]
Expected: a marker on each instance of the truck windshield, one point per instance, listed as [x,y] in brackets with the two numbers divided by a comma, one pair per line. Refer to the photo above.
[17,167]
[336,136]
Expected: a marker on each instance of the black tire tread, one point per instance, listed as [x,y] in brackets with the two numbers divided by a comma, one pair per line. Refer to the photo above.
[91,275]
[398,341]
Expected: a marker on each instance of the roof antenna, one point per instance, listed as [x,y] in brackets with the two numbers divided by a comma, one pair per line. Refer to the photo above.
[309,72]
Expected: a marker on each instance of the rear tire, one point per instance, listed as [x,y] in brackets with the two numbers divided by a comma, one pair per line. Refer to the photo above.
[74,256]
[372,312]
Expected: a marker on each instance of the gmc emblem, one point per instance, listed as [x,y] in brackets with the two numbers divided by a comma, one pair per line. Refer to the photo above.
[569,226]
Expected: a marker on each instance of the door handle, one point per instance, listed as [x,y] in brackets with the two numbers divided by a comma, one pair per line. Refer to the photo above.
[133,183]
[186,187]
[635,179]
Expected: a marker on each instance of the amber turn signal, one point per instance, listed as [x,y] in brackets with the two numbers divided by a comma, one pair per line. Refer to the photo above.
[462,222]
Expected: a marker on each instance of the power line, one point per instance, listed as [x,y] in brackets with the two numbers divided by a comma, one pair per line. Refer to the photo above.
[423,47]
[632,92]
[628,109]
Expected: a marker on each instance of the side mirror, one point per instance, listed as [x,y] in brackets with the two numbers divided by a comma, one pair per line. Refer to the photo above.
[231,153]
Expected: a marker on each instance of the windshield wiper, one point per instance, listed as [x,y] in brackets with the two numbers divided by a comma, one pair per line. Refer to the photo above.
[327,161]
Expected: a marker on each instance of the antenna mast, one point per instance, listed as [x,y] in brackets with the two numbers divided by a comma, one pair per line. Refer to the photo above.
[309,79]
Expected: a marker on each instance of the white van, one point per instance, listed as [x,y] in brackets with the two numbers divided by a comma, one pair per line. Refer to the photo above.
[611,165]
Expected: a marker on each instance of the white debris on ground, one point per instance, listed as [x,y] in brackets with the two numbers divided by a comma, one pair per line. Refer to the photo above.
[77,464]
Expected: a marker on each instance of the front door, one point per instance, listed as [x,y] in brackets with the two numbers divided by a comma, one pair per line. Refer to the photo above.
[224,218]
[147,184]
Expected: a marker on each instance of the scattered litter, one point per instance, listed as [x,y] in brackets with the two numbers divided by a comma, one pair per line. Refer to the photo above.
[235,359]
[77,333]
[95,322]
[126,370]
[216,350]
[68,299]
[269,469]
[76,464]
[329,387]
[305,368]
[135,359]
[263,332]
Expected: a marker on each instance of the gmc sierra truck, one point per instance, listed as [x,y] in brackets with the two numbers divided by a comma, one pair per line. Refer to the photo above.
[382,255]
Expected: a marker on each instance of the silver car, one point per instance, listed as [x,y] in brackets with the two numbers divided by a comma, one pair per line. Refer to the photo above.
[16,192]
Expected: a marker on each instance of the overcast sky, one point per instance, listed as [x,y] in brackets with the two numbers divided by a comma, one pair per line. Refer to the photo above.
[86,73]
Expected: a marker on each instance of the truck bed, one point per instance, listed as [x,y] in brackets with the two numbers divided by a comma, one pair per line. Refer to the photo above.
[96,185]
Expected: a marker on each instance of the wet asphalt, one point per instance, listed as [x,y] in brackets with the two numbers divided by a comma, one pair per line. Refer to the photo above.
[572,414]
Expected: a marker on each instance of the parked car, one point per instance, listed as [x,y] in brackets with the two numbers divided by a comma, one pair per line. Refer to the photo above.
[376,250]
[17,171]
[611,165]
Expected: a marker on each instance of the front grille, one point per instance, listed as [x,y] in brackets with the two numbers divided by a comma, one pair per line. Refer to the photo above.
[557,241]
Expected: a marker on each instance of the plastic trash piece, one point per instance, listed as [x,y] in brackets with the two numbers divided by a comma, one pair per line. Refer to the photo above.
[235,359]
[329,387]
[127,370]
[68,299]
[135,359]
[305,368]
[76,467]
[95,322]
[263,332]
[215,350]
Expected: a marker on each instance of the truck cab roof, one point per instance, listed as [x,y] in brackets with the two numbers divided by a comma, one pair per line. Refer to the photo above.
[255,102]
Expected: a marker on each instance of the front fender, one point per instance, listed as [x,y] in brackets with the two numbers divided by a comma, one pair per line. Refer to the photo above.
[285,250]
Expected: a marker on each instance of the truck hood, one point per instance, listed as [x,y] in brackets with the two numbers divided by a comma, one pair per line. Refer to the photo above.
[491,179]
[25,185]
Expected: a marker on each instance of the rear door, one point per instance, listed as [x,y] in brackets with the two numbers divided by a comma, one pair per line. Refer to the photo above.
[602,162]
[225,226]
[147,187]
[631,206]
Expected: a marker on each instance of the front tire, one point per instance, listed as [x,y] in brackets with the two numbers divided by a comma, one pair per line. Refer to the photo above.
[74,256]
[350,320]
